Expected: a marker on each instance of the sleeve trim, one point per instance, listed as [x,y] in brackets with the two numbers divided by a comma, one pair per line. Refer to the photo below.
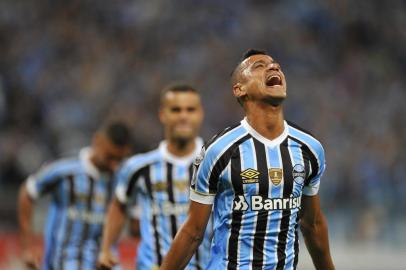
[32,188]
[201,197]
[203,193]
[135,212]
[310,191]
[121,194]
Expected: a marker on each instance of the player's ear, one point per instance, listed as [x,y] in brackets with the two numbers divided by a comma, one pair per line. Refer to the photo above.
[239,90]
[161,115]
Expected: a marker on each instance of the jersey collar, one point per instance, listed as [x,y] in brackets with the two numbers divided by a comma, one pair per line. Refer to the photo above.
[272,143]
[89,167]
[186,160]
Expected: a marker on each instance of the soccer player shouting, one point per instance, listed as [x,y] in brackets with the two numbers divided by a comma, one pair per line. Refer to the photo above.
[260,179]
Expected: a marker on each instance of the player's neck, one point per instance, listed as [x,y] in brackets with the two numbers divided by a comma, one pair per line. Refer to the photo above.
[181,148]
[266,120]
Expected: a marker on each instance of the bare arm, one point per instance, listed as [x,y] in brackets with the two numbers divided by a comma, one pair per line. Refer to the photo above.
[25,206]
[314,229]
[31,256]
[115,220]
[188,238]
[134,230]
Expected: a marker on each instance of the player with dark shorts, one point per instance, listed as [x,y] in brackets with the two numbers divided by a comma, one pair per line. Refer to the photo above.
[80,190]
[260,179]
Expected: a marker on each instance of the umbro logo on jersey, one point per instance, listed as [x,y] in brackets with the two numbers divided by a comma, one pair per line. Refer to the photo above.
[275,175]
[249,176]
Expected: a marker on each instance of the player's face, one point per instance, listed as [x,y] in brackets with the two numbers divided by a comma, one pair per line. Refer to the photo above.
[182,115]
[106,155]
[261,78]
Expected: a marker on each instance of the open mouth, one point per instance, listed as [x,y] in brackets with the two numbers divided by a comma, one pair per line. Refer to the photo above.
[273,80]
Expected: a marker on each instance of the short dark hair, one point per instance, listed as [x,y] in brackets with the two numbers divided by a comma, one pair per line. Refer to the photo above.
[251,52]
[118,133]
[235,72]
[177,87]
[247,53]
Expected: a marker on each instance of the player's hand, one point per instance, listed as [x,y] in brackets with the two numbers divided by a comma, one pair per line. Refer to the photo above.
[32,258]
[106,261]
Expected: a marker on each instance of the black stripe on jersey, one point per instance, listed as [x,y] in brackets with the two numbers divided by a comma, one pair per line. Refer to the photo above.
[236,180]
[197,258]
[296,245]
[313,163]
[51,187]
[145,171]
[85,232]
[190,173]
[300,128]
[68,229]
[222,163]
[218,135]
[110,187]
[171,197]
[262,217]
[287,191]
[307,154]
[58,197]
[134,179]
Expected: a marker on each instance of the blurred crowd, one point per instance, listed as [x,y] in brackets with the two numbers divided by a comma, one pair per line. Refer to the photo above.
[67,66]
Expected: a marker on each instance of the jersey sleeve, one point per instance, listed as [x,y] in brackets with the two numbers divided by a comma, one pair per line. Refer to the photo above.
[205,177]
[126,178]
[44,181]
[134,212]
[317,166]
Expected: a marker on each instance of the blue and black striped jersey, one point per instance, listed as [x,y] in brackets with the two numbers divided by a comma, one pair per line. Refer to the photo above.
[256,185]
[159,183]
[80,195]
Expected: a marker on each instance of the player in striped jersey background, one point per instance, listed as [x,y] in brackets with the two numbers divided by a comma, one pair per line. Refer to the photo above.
[81,189]
[260,179]
[158,181]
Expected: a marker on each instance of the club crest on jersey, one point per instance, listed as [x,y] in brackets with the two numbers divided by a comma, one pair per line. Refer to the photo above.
[275,175]
[249,176]
[299,174]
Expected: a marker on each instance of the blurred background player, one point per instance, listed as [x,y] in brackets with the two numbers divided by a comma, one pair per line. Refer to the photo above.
[81,189]
[160,182]
[263,177]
